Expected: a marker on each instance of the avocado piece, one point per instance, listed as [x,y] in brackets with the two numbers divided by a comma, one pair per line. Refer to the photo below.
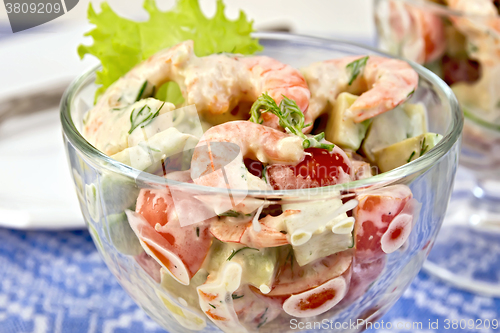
[403,152]
[401,123]
[341,128]
[122,236]
[259,265]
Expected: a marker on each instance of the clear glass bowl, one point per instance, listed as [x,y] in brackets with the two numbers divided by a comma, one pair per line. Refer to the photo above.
[370,284]
[464,50]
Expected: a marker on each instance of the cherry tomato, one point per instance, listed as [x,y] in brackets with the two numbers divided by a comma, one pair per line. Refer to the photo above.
[319,168]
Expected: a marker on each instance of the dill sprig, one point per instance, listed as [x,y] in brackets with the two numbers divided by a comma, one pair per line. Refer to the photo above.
[411,156]
[423,148]
[290,118]
[354,68]
[143,117]
[230,213]
[141,91]
[233,253]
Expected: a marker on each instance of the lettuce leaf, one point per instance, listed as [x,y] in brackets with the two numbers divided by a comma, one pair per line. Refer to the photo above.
[120,43]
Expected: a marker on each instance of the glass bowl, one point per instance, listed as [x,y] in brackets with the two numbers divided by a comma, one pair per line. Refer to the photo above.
[342,291]
[464,50]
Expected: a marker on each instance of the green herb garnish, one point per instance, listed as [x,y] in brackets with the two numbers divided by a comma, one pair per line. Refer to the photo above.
[290,256]
[141,117]
[411,156]
[290,118]
[236,296]
[473,48]
[212,305]
[233,253]
[424,147]
[355,67]
[411,93]
[146,147]
[197,232]
[264,178]
[265,319]
[230,213]
[141,91]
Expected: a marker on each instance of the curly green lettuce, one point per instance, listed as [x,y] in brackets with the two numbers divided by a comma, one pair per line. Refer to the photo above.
[120,43]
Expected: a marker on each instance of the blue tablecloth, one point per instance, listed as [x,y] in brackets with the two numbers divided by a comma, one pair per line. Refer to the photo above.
[55,282]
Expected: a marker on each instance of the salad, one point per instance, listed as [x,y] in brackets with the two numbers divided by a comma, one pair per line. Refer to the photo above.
[457,39]
[217,117]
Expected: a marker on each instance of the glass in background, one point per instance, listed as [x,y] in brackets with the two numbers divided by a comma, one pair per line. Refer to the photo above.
[460,42]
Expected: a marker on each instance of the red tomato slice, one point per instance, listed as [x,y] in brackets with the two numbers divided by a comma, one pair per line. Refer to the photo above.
[319,168]
[180,249]
[374,214]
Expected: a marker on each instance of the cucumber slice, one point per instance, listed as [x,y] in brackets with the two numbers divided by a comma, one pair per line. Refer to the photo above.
[122,236]
[187,293]
[118,193]
[401,123]
[258,266]
[405,151]
[341,128]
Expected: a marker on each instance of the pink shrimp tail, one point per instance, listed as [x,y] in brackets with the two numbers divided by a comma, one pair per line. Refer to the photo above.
[278,80]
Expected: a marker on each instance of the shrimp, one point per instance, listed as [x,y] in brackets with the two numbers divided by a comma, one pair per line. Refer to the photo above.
[481,29]
[215,84]
[411,32]
[278,80]
[474,7]
[222,165]
[384,83]
[253,141]
[272,233]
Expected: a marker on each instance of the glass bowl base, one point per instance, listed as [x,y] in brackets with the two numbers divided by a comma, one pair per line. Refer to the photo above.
[466,252]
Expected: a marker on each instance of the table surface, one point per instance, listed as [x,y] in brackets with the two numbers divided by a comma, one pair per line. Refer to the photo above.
[56,282]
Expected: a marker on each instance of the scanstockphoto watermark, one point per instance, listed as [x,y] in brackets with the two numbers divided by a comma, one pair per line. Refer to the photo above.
[358,324]
[438,324]
[25,14]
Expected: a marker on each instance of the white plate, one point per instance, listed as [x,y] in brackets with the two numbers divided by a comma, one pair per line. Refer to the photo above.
[36,189]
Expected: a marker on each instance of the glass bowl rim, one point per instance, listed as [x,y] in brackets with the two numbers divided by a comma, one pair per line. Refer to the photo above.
[444,10]
[452,135]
